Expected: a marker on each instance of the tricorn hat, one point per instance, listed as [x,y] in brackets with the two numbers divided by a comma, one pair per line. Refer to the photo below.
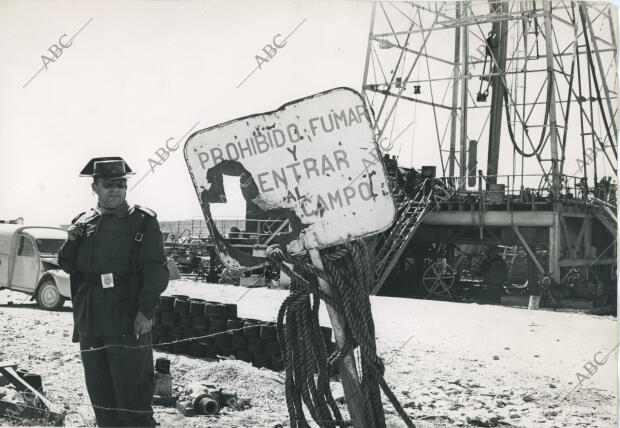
[106,167]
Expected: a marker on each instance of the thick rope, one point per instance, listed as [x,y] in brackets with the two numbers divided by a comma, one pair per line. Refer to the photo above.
[303,347]
[302,344]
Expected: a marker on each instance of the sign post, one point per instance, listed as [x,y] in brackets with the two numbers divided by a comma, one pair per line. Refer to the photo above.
[348,370]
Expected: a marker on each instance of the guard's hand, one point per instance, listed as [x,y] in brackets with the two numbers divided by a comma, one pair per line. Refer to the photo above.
[142,324]
[75,231]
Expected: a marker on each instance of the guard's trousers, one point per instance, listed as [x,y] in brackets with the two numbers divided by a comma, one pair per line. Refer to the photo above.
[120,379]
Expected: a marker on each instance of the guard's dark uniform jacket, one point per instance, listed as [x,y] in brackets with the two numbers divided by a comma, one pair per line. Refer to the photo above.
[130,246]
[118,366]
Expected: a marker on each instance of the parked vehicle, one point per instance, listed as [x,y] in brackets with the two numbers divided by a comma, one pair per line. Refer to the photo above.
[29,263]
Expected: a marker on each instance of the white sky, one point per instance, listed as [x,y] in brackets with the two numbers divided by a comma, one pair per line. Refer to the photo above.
[421,127]
[144,71]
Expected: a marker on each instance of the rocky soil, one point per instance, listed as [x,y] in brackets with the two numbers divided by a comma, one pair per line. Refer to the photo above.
[450,364]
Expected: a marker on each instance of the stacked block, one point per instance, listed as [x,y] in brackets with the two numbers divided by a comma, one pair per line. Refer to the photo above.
[213,328]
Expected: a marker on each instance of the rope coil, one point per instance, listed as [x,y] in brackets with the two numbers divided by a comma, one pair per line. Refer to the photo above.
[307,362]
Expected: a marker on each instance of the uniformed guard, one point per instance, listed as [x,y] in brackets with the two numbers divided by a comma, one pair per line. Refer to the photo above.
[114,254]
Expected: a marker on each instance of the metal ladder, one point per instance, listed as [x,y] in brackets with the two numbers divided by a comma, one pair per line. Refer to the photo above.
[605,214]
[391,245]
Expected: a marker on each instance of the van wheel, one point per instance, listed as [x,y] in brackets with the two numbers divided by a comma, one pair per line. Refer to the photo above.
[48,296]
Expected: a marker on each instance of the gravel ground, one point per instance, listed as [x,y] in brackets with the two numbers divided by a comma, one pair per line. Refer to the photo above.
[450,364]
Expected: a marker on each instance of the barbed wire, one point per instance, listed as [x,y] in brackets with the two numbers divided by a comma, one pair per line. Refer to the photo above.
[12,414]
[47,412]
[190,339]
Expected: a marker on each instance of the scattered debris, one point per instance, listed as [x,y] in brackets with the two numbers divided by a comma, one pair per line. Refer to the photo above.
[528,398]
[162,395]
[205,399]
[409,404]
[484,421]
[22,397]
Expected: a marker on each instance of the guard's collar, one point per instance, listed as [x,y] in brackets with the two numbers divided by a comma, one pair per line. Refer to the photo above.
[122,210]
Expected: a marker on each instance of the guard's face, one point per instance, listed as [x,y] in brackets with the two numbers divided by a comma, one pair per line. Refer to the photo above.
[110,191]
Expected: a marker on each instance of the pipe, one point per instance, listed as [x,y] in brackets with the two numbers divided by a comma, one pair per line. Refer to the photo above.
[206,405]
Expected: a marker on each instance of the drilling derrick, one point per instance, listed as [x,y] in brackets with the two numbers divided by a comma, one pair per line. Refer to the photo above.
[499,132]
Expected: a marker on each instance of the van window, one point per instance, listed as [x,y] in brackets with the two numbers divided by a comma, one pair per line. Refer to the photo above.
[26,247]
[49,246]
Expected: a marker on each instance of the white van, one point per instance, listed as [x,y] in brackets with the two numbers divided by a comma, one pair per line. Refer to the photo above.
[29,263]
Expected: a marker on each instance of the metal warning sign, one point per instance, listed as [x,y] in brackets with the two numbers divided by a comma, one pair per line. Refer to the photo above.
[309,171]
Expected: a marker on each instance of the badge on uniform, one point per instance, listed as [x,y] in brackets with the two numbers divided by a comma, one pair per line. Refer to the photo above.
[107,280]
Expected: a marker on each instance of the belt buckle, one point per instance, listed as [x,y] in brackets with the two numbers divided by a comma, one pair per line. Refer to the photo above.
[138,237]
